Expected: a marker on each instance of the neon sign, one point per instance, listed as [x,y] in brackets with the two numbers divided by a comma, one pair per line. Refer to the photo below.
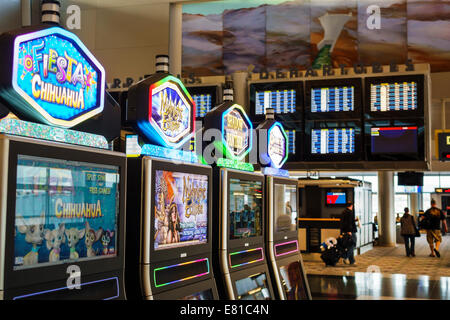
[277,145]
[58,81]
[236,132]
[169,120]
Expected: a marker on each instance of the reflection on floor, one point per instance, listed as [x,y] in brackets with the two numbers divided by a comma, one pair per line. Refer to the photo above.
[396,276]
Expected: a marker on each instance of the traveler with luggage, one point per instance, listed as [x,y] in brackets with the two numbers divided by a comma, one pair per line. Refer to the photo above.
[431,221]
[348,226]
[408,230]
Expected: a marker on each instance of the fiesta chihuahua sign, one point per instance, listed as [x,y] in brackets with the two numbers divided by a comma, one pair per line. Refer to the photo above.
[56,79]
[277,145]
[236,132]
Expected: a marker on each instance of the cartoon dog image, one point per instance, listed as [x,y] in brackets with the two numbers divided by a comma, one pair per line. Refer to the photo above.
[90,238]
[33,228]
[73,236]
[106,240]
[54,240]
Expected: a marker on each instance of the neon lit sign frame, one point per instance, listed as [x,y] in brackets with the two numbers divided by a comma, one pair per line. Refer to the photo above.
[43,114]
[229,152]
[280,127]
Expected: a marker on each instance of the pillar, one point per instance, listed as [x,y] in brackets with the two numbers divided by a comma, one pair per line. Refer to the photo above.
[175,38]
[25,7]
[240,89]
[414,204]
[386,215]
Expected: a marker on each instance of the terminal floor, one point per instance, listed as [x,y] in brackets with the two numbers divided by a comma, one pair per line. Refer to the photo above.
[396,276]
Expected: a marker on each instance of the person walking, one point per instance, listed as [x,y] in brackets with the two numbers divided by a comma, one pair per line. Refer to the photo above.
[348,226]
[432,223]
[408,231]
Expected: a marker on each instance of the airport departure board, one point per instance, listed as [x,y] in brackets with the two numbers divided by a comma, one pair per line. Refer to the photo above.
[281,101]
[388,140]
[333,99]
[333,141]
[291,140]
[203,104]
[396,96]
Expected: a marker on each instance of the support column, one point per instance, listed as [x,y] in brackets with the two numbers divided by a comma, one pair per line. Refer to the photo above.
[414,204]
[240,89]
[386,215]
[175,38]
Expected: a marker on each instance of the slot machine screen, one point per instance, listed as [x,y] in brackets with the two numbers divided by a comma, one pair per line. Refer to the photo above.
[254,287]
[65,211]
[285,210]
[333,141]
[394,140]
[293,281]
[245,208]
[202,295]
[181,209]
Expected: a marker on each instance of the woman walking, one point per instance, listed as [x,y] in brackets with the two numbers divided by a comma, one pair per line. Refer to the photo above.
[408,231]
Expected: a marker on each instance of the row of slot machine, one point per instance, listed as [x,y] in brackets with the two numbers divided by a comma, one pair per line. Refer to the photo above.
[346,119]
[81,219]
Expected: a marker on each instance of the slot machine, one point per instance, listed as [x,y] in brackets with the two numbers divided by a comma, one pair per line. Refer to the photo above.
[62,205]
[281,195]
[169,198]
[240,264]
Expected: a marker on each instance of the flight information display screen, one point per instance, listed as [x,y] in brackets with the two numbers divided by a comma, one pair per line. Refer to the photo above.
[291,140]
[396,96]
[281,101]
[333,99]
[203,104]
[393,140]
[333,141]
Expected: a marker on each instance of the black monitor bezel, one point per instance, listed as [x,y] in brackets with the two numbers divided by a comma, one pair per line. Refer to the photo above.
[419,156]
[251,242]
[358,99]
[284,235]
[418,113]
[358,155]
[49,273]
[213,90]
[187,250]
[276,85]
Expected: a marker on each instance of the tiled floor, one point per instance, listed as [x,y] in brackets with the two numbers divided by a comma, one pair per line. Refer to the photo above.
[396,276]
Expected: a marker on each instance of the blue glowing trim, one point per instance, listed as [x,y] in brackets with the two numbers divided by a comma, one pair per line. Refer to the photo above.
[26,67]
[280,164]
[167,153]
[44,132]
[270,171]
[63,288]
[250,133]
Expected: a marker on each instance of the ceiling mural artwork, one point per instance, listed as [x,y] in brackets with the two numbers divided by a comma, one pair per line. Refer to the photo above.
[222,37]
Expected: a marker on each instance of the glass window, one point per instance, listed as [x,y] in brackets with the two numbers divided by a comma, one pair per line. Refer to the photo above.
[65,211]
[245,208]
[285,207]
[401,201]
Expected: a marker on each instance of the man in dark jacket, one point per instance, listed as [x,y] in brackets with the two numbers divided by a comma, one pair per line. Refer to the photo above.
[348,226]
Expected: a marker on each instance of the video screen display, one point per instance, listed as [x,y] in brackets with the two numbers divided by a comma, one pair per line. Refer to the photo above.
[336,198]
[202,295]
[203,104]
[285,207]
[245,208]
[281,101]
[254,287]
[333,141]
[395,96]
[333,99]
[181,209]
[66,211]
[291,140]
[293,281]
[394,140]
